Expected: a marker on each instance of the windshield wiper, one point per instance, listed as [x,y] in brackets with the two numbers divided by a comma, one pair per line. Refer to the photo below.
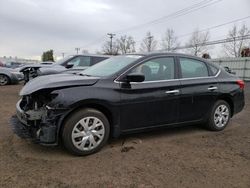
[83,74]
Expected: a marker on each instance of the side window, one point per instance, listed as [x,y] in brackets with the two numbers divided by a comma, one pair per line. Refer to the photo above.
[74,61]
[157,69]
[97,59]
[84,61]
[213,69]
[80,61]
[191,68]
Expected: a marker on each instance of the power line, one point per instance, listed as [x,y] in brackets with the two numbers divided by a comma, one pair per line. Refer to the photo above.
[214,27]
[187,34]
[244,37]
[210,28]
[176,14]
[184,11]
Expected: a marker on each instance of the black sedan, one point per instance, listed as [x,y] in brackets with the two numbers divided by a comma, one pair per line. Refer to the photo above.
[126,94]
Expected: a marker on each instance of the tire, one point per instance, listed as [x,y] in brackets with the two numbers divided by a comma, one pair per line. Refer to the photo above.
[219,116]
[4,80]
[85,131]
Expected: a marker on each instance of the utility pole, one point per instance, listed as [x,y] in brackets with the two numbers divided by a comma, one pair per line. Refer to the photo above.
[133,46]
[111,36]
[63,54]
[150,37]
[77,50]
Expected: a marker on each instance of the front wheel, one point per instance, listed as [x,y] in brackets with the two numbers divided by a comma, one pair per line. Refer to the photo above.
[219,116]
[4,80]
[85,132]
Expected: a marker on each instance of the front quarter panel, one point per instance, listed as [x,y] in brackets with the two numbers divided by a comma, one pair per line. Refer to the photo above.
[104,93]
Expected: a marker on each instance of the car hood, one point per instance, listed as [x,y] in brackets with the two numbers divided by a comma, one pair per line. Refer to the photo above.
[57,81]
[25,67]
[33,66]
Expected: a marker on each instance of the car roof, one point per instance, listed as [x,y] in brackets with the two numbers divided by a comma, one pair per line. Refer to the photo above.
[91,55]
[153,54]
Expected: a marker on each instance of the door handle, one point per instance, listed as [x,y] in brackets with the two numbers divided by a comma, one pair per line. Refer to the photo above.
[212,88]
[172,91]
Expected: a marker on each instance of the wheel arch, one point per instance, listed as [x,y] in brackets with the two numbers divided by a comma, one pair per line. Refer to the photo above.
[229,100]
[104,108]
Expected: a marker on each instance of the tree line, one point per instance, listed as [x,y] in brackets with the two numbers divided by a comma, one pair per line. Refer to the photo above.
[170,43]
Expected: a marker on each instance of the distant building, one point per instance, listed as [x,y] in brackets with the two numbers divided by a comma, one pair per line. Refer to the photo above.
[19,60]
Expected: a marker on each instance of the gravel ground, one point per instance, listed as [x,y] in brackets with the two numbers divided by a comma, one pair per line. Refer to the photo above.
[177,157]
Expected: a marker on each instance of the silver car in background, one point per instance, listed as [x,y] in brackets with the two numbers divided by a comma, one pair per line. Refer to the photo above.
[10,76]
[70,64]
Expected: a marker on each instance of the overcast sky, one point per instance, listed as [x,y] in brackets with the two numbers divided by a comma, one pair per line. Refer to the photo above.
[29,27]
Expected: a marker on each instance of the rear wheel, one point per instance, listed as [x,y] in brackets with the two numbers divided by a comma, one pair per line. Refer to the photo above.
[220,116]
[4,80]
[85,131]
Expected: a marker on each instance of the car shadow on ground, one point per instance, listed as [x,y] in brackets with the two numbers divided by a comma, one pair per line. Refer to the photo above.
[124,143]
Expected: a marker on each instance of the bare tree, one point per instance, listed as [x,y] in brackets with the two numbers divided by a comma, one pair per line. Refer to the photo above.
[234,48]
[197,43]
[126,44]
[169,41]
[108,51]
[148,44]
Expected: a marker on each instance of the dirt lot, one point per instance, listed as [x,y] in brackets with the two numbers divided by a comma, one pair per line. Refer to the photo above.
[179,157]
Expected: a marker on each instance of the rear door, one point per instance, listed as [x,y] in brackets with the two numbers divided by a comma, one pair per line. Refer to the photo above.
[199,89]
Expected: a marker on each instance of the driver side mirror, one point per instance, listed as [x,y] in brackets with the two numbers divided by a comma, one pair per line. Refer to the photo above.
[135,77]
[69,65]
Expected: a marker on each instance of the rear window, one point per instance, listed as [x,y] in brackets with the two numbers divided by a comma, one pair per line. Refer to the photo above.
[98,59]
[191,68]
[214,70]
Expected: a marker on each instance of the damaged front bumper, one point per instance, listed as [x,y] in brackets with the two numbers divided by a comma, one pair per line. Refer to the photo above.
[38,125]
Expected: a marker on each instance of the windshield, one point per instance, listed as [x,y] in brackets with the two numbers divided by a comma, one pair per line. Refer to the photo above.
[110,66]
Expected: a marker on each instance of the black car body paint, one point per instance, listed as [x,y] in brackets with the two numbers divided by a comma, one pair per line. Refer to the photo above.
[130,107]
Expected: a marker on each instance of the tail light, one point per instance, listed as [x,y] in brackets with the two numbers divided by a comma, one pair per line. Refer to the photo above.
[241,84]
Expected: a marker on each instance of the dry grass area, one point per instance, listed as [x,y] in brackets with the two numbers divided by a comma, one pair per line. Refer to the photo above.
[177,157]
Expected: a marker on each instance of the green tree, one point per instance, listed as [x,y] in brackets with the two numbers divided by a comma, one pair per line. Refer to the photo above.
[48,56]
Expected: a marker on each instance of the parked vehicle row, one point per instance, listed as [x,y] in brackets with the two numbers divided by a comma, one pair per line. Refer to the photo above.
[9,76]
[13,64]
[16,72]
[70,64]
[126,94]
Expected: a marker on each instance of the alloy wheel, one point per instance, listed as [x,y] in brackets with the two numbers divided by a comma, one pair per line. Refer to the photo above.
[221,116]
[88,133]
[3,80]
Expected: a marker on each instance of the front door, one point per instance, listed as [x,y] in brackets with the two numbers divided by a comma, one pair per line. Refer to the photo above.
[155,101]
